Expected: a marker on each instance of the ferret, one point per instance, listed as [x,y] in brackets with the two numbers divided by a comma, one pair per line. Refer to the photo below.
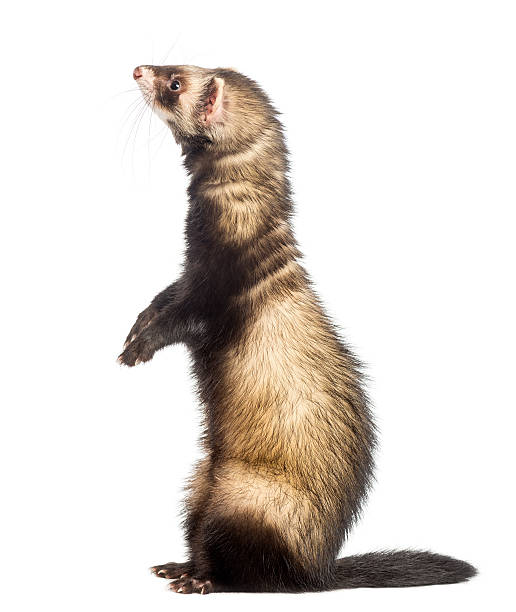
[289,437]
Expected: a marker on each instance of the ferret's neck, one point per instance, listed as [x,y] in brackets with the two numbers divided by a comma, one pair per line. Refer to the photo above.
[240,206]
[261,161]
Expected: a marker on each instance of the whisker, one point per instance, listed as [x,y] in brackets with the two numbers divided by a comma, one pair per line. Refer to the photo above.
[163,61]
[133,106]
[133,109]
[140,110]
[163,131]
[151,115]
[126,91]
[135,115]
[139,121]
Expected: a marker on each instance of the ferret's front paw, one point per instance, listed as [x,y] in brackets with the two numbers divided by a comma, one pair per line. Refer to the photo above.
[143,321]
[137,351]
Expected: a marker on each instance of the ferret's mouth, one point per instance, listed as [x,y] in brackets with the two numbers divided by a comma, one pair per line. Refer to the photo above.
[145,78]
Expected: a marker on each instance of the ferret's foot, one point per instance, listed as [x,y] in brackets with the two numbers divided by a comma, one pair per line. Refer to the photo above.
[187,585]
[173,571]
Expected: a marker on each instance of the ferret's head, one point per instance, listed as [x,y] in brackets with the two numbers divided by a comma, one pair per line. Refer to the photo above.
[208,108]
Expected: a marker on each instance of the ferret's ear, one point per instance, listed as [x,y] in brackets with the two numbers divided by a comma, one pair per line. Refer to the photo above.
[214,105]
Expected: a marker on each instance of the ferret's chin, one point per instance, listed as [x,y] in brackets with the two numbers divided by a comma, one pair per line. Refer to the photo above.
[162,113]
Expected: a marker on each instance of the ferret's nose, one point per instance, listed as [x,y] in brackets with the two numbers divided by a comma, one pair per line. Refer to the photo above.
[137,73]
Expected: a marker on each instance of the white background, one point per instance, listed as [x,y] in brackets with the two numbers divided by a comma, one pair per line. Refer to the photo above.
[401,121]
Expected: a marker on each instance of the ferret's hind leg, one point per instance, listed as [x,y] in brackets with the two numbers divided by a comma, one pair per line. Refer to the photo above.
[259,533]
[184,575]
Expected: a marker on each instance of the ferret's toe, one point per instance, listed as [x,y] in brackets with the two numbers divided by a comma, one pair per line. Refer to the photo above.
[172,571]
[189,585]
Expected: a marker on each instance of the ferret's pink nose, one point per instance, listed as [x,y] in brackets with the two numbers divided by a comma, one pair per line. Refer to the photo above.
[137,73]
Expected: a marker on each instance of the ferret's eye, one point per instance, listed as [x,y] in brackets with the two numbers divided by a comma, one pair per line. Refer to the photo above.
[175,85]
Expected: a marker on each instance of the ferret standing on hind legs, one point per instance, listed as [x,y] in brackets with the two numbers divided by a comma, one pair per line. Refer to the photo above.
[288,433]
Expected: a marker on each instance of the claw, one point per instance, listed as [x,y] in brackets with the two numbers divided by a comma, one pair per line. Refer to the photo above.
[188,585]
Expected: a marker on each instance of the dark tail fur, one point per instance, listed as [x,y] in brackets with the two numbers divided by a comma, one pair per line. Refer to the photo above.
[403,568]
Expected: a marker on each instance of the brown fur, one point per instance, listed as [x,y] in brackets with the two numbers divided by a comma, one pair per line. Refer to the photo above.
[289,436]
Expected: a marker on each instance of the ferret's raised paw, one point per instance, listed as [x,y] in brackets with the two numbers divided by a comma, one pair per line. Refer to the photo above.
[138,351]
[142,322]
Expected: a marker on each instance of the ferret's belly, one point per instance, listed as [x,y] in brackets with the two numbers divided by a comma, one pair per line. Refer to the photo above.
[289,440]
[276,386]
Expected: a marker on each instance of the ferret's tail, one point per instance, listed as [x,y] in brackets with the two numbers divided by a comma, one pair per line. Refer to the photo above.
[403,568]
